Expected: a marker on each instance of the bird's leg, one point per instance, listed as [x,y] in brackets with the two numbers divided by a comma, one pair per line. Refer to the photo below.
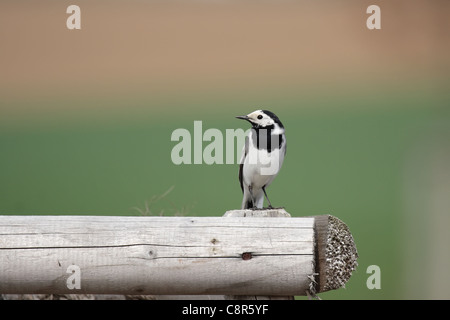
[265,193]
[250,188]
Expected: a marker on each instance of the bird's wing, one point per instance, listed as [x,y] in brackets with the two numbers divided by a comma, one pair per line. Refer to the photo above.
[241,163]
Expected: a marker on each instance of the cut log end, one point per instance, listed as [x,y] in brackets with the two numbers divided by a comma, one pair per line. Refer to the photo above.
[335,251]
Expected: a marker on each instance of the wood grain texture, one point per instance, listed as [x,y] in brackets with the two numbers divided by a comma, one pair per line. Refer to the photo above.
[264,213]
[157,255]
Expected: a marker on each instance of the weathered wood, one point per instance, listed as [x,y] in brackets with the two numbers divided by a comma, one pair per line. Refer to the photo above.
[158,255]
[266,213]
[258,213]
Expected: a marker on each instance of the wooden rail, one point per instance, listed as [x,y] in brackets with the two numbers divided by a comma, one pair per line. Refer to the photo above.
[230,255]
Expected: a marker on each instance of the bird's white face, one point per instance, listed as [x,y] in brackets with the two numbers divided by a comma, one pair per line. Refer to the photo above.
[260,118]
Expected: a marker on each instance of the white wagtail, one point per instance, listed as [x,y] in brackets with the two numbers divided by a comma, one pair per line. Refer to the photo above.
[262,157]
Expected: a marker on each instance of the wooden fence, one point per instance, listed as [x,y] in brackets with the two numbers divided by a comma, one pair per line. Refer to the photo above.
[269,255]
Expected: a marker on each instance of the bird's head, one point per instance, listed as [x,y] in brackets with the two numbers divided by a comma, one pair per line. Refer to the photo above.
[261,119]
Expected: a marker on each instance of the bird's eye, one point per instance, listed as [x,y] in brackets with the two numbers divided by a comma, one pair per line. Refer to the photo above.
[260,117]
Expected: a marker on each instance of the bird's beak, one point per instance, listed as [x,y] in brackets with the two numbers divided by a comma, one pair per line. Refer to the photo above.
[243,117]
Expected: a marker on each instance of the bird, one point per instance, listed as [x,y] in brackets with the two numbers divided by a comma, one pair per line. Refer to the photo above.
[262,157]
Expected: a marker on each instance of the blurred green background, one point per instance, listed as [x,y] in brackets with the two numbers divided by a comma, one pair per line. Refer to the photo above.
[86,117]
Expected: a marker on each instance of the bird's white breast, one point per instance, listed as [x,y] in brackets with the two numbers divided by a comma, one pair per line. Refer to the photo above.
[261,166]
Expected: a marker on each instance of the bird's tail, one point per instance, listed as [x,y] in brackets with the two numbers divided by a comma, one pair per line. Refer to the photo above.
[247,204]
